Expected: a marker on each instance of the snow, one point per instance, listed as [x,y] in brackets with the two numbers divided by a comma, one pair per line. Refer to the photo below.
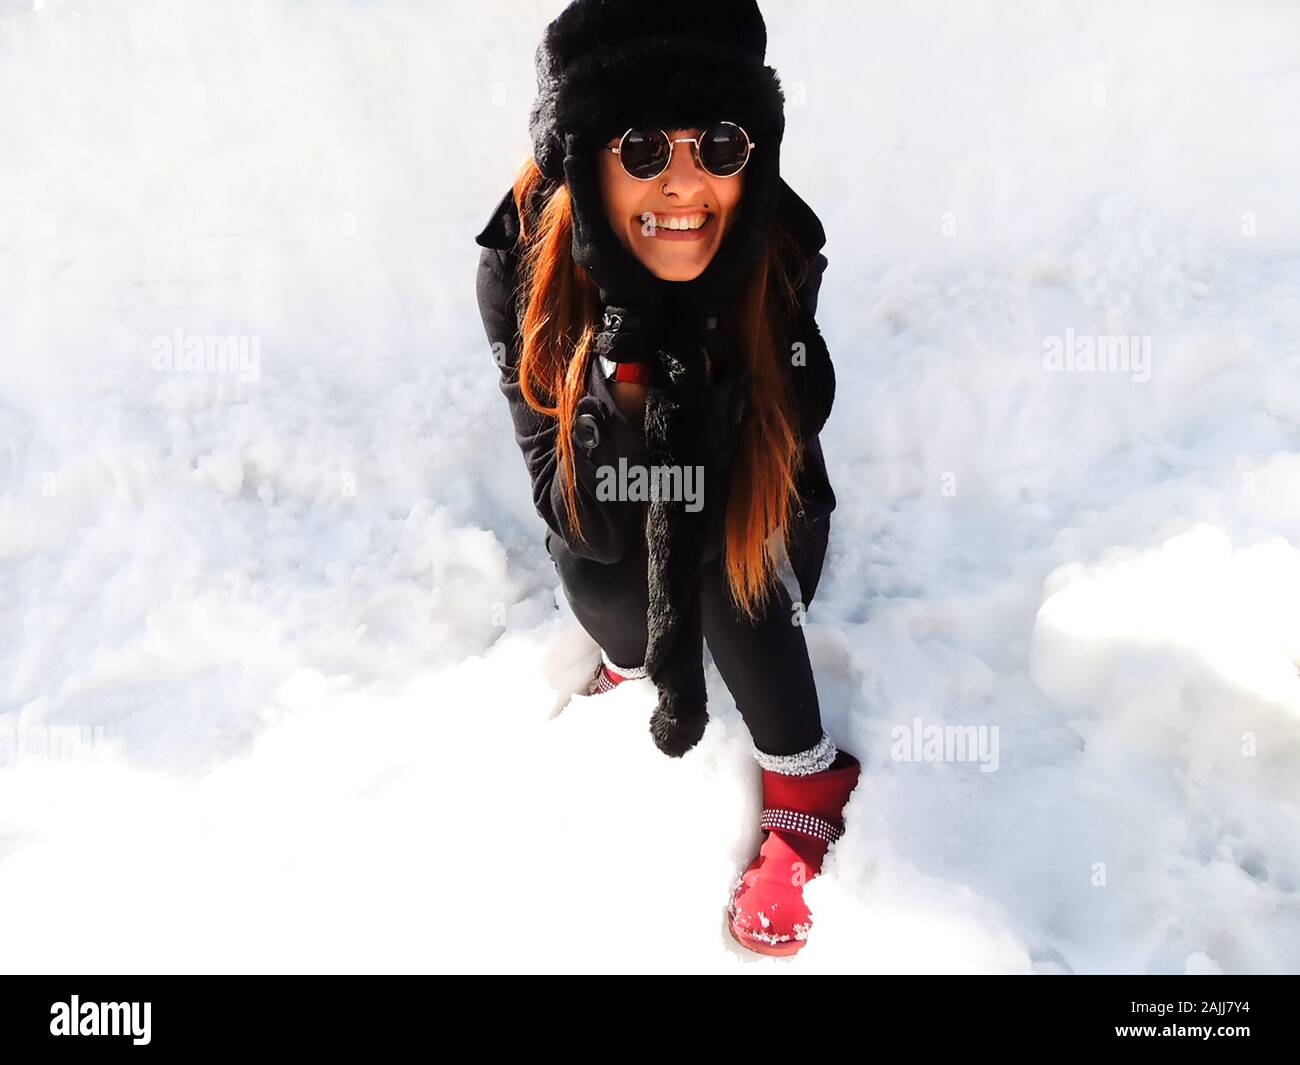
[293,618]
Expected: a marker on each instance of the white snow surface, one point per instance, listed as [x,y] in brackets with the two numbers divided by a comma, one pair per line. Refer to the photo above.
[303,617]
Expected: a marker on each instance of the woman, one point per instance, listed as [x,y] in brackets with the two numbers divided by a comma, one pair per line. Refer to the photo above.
[648,286]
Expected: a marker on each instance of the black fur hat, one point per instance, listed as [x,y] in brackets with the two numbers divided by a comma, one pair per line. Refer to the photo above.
[604,66]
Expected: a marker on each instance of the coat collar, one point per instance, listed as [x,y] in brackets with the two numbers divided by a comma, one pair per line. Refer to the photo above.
[502,229]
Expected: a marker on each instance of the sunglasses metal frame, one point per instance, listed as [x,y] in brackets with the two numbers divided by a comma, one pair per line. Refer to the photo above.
[749,150]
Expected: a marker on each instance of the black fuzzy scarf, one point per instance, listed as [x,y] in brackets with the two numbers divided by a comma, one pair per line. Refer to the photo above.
[674,430]
[676,433]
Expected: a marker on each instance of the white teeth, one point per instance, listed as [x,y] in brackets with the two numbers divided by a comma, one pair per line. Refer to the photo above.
[691,222]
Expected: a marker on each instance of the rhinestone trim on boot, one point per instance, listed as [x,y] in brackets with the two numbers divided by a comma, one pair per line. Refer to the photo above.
[798,821]
[601,682]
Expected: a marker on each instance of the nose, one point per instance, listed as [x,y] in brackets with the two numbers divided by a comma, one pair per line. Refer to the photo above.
[684,176]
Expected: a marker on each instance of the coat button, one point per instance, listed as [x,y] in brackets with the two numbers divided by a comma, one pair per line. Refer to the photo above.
[586,430]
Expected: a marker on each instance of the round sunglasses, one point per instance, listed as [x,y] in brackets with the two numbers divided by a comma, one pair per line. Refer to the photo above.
[722,150]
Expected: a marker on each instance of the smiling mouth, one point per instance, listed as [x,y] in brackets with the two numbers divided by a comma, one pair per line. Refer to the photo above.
[676,227]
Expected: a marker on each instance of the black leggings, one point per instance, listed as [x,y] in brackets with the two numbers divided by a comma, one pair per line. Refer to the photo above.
[765,664]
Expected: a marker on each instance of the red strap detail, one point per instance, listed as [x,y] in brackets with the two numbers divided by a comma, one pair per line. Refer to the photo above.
[805,824]
[635,372]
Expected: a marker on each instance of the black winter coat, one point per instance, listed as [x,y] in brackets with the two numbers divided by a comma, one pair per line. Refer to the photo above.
[604,433]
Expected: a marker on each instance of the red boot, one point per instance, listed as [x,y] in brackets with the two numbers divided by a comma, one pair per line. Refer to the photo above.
[803,816]
[609,676]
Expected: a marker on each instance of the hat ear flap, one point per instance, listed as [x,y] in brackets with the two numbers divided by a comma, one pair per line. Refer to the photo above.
[555,152]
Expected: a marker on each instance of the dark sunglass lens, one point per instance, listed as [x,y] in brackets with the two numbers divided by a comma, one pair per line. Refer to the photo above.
[644,152]
[723,149]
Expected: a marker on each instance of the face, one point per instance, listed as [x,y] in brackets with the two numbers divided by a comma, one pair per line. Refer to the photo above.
[641,212]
